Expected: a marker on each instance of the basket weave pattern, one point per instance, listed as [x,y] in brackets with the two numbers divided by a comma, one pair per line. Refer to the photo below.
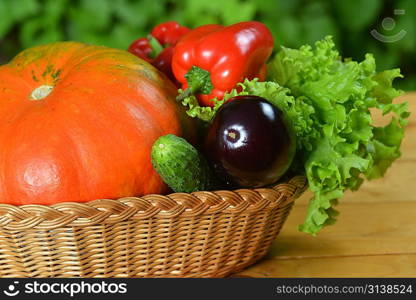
[203,234]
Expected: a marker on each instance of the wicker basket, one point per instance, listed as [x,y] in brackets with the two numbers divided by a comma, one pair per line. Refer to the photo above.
[203,234]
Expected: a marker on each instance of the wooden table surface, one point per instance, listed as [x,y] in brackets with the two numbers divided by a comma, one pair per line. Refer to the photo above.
[375,235]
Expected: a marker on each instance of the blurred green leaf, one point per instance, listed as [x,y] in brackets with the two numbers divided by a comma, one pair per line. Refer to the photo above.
[218,11]
[246,11]
[36,32]
[137,13]
[18,10]
[287,31]
[386,59]
[356,14]
[407,22]
[277,7]
[6,20]
[55,10]
[91,15]
[123,34]
[200,12]
[317,22]
[318,28]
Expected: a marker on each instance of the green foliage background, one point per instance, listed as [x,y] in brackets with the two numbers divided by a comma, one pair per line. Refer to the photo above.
[115,23]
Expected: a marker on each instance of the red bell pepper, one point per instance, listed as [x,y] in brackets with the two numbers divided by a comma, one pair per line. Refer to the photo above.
[229,53]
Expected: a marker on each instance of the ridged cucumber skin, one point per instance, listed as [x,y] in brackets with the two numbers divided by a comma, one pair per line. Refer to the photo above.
[182,167]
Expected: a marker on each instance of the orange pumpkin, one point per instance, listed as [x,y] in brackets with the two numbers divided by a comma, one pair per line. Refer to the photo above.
[77,123]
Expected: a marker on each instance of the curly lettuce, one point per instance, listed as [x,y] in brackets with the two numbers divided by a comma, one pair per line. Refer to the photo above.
[344,147]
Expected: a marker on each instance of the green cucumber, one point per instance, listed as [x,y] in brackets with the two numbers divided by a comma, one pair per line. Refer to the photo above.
[182,167]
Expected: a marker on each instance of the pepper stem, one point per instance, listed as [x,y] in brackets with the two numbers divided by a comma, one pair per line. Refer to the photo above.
[199,82]
[155,45]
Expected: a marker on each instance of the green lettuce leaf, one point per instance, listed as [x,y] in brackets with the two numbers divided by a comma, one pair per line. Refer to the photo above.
[194,110]
[343,146]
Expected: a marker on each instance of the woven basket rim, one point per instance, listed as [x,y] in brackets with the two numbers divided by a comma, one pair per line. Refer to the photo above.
[110,211]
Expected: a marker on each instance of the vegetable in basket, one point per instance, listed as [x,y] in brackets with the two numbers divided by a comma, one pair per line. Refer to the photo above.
[63,137]
[228,53]
[181,166]
[249,142]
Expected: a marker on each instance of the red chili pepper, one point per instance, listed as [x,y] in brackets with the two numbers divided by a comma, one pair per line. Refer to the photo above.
[152,49]
[141,48]
[169,33]
[163,62]
[229,53]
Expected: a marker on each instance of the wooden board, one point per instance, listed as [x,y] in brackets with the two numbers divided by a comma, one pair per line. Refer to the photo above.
[375,235]
[353,266]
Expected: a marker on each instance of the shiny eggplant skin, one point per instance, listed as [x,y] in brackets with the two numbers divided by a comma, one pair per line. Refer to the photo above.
[249,143]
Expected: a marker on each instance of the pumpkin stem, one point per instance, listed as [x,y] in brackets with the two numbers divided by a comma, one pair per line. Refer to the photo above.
[41,92]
